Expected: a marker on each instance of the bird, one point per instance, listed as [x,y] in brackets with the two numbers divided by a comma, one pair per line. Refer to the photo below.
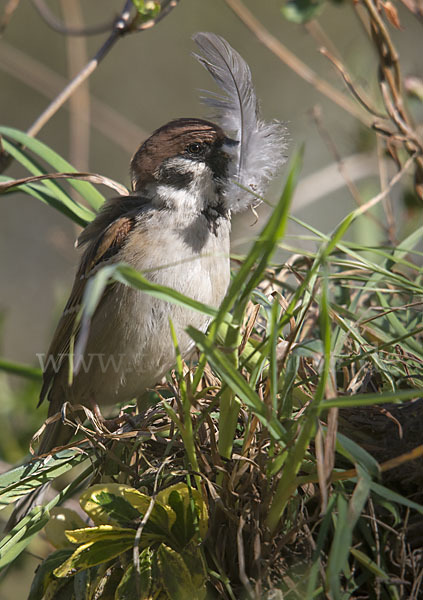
[175,229]
[188,178]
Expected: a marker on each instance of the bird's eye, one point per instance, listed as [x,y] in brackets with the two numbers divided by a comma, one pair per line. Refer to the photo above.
[195,148]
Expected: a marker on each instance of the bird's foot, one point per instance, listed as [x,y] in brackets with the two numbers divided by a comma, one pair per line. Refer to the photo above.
[110,425]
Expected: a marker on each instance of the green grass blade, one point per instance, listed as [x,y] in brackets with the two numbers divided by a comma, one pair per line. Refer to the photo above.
[54,194]
[369,399]
[22,370]
[94,198]
[15,542]
[236,381]
[342,539]
[24,479]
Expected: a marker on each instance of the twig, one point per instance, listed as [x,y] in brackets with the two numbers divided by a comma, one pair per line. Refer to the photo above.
[353,89]
[387,50]
[389,76]
[293,62]
[383,179]
[124,24]
[136,546]
[241,559]
[80,101]
[6,186]
[315,30]
[376,199]
[38,76]
[120,27]
[8,13]
[137,538]
[52,21]
[329,179]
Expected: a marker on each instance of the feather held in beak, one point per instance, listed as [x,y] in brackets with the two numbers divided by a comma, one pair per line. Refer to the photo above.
[260,151]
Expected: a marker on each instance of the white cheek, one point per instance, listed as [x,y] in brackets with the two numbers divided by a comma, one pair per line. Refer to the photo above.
[186,165]
[179,200]
[200,192]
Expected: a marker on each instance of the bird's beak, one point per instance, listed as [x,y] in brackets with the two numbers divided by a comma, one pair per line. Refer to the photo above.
[229,142]
[231,148]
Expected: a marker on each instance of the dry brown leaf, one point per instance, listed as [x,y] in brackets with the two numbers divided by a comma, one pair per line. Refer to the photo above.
[392,14]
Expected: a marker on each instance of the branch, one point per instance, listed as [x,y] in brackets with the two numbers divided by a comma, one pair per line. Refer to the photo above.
[124,24]
[293,62]
[45,81]
[52,21]
[6,186]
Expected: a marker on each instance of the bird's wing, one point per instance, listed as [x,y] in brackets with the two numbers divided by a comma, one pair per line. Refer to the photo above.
[104,237]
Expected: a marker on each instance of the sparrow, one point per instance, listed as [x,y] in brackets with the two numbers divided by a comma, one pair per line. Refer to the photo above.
[174,228]
[188,178]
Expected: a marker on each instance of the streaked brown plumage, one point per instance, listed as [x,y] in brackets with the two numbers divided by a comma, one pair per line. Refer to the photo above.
[175,230]
[187,178]
[176,237]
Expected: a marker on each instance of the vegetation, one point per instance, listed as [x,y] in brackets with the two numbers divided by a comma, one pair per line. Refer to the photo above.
[285,462]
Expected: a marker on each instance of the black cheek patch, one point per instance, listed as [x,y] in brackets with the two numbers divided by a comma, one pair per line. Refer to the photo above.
[176,179]
[218,162]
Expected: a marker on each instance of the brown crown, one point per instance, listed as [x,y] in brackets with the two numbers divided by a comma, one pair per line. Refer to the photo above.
[167,141]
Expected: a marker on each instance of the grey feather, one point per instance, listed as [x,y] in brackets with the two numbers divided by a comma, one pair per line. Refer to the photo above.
[260,152]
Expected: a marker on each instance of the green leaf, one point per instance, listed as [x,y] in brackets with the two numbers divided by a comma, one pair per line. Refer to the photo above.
[324,531]
[44,573]
[301,11]
[256,262]
[115,503]
[61,520]
[24,479]
[135,585]
[74,211]
[95,553]
[357,455]
[348,516]
[174,574]
[184,526]
[384,492]
[81,585]
[129,276]
[16,541]
[369,564]
[147,9]
[197,567]
[117,508]
[87,191]
[180,498]
[369,399]
[89,535]
[19,537]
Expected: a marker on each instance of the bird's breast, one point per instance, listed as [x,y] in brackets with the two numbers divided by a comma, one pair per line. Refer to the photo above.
[134,325]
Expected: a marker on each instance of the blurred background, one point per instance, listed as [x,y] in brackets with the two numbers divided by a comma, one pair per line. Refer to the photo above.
[147,79]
